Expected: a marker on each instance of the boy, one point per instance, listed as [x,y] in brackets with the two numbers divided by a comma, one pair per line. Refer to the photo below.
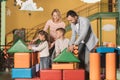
[61,43]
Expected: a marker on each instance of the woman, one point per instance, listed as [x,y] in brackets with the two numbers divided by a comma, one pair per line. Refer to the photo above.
[53,24]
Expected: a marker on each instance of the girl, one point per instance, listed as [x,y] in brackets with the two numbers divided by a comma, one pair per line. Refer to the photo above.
[43,49]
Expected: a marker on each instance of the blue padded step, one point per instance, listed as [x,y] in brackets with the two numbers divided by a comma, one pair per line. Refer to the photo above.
[105,50]
[24,72]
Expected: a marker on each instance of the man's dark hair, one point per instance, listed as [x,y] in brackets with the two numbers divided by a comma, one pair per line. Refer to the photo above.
[61,30]
[71,13]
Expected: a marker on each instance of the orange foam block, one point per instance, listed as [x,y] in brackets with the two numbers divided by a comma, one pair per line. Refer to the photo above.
[22,60]
[111,66]
[95,66]
[111,45]
[63,66]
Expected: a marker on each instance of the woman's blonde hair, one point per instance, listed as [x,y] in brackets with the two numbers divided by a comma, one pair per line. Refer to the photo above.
[58,13]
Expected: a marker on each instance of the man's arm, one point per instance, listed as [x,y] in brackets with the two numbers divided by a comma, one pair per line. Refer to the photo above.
[73,37]
[83,32]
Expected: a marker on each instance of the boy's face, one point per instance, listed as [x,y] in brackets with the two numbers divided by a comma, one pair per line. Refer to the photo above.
[59,34]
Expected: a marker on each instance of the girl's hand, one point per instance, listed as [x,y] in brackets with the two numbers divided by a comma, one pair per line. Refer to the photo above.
[29,47]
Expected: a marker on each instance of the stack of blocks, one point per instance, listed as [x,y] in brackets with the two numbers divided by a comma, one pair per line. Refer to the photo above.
[63,68]
[25,62]
[26,65]
[110,63]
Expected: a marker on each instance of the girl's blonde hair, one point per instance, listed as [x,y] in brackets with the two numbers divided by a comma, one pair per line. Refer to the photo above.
[58,13]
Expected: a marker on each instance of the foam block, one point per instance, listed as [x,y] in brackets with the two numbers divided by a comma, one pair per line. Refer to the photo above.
[95,66]
[36,78]
[105,49]
[78,74]
[19,47]
[23,73]
[111,66]
[63,66]
[51,75]
[66,56]
[22,60]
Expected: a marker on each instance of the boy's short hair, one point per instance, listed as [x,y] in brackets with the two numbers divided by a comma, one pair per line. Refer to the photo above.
[61,30]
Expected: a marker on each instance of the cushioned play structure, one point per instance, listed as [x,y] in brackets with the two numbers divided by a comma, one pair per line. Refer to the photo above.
[22,60]
[19,46]
[66,56]
[105,49]
[78,74]
[51,75]
[23,72]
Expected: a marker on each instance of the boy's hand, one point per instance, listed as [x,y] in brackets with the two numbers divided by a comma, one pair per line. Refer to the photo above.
[70,48]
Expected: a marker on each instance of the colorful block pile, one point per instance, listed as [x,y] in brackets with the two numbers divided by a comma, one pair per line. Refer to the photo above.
[25,61]
[65,60]
[63,68]
[26,65]
[110,63]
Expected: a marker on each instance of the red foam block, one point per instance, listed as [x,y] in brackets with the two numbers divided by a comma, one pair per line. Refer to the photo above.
[78,74]
[51,74]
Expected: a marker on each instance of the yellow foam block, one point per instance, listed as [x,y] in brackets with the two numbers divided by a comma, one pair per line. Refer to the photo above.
[22,60]
[63,66]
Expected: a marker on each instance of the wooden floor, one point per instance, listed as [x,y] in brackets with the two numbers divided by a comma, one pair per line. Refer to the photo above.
[5,76]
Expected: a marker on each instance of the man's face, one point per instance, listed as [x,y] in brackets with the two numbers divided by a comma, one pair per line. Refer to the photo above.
[72,19]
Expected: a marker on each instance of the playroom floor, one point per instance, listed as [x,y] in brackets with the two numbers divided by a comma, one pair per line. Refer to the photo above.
[7,75]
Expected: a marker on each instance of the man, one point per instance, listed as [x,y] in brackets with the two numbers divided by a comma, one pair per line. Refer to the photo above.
[86,40]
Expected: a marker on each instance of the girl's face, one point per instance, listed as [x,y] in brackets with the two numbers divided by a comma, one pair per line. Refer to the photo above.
[55,16]
[41,37]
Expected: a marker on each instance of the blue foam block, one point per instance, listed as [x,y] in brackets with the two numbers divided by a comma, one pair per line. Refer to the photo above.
[24,73]
[105,50]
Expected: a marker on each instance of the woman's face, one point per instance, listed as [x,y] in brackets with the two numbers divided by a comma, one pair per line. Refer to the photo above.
[55,16]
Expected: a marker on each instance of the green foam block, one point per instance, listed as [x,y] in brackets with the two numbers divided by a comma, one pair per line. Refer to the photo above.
[19,47]
[66,56]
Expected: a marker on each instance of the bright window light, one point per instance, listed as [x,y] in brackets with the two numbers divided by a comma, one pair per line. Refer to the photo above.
[90,1]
